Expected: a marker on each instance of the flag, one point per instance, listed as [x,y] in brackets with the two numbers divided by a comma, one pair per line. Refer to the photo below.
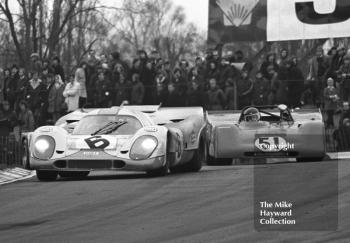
[236,20]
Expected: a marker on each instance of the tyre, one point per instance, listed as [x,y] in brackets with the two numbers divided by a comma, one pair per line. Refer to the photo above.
[199,158]
[73,174]
[25,154]
[163,171]
[46,175]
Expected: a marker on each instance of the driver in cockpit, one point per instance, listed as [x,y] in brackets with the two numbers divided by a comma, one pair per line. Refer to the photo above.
[251,115]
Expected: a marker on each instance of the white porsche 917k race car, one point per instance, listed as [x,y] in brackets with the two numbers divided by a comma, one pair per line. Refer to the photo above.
[144,138]
[266,132]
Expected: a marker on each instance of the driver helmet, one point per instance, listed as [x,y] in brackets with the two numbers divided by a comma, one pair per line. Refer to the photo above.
[251,115]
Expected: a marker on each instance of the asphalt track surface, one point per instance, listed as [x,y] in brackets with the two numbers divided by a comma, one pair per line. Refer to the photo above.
[214,205]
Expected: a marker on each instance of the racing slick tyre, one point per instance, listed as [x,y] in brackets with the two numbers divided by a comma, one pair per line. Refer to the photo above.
[25,154]
[316,159]
[73,174]
[195,164]
[163,171]
[46,175]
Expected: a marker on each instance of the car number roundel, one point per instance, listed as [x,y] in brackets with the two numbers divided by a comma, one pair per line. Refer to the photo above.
[270,144]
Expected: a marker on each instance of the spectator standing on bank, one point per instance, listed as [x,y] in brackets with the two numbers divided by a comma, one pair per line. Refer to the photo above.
[57,67]
[56,103]
[34,96]
[244,90]
[137,91]
[230,95]
[345,113]
[71,94]
[80,77]
[22,85]
[2,85]
[12,86]
[196,96]
[123,90]
[171,97]
[316,76]
[270,60]
[331,101]
[261,90]
[149,83]
[48,84]
[216,97]
[8,119]
[283,57]
[25,118]
[6,80]
[295,79]
[213,72]
[102,91]
[344,72]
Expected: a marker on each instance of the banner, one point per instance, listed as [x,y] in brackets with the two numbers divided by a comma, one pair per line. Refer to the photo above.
[277,20]
[236,20]
[297,19]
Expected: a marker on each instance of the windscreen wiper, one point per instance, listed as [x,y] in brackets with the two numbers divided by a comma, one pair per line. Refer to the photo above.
[109,127]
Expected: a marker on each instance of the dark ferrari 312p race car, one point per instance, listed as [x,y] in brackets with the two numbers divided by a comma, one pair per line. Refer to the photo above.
[144,138]
[266,132]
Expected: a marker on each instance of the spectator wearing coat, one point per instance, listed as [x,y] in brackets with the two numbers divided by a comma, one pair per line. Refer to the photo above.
[57,67]
[261,90]
[8,119]
[71,93]
[2,85]
[80,77]
[137,90]
[34,96]
[230,95]
[244,90]
[196,96]
[12,86]
[56,103]
[22,85]
[123,90]
[25,118]
[102,91]
[331,101]
[216,97]
[344,72]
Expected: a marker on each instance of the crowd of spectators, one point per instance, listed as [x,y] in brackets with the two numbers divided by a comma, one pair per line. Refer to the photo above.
[31,98]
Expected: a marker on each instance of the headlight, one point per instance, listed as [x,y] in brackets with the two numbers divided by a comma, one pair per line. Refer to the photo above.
[44,147]
[143,147]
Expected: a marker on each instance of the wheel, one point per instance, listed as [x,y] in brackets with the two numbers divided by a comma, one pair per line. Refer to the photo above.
[199,158]
[46,175]
[163,171]
[315,159]
[73,174]
[25,154]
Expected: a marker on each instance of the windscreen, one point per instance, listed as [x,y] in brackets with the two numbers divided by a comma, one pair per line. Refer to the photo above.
[91,124]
